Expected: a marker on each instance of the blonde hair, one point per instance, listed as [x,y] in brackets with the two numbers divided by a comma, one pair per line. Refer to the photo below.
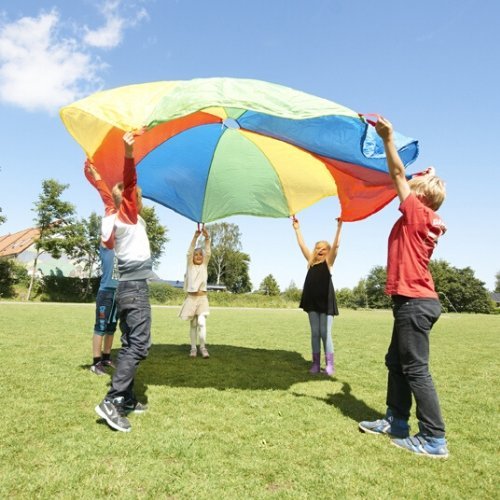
[117,193]
[430,189]
[314,254]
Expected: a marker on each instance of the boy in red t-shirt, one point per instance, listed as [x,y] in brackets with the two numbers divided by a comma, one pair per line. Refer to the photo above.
[416,308]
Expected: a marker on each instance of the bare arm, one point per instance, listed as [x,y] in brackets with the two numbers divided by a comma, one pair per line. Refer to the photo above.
[190,251]
[208,248]
[396,168]
[332,254]
[95,179]
[300,240]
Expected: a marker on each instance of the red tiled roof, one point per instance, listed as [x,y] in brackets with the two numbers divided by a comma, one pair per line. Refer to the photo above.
[12,245]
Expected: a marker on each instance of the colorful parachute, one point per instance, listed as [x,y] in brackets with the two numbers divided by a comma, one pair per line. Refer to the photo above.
[216,147]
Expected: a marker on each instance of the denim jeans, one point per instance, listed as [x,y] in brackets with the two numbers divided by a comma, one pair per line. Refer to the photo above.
[408,363]
[321,330]
[105,312]
[135,324]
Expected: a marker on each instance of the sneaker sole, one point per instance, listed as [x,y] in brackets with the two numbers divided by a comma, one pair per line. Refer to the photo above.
[109,422]
[369,431]
[422,454]
[98,373]
[136,412]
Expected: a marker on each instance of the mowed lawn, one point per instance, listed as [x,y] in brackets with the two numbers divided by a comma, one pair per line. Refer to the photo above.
[250,422]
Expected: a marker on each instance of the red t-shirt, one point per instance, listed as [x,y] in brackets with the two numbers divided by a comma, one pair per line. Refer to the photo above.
[411,243]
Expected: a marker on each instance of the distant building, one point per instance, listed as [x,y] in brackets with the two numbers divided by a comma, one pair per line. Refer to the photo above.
[21,247]
[495,297]
[180,284]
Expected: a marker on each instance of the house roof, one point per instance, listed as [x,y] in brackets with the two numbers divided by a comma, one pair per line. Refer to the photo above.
[12,245]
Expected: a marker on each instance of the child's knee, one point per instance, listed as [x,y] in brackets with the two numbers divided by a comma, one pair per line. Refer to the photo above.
[202,320]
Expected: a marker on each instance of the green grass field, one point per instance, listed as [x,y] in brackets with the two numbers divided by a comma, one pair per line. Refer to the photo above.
[250,422]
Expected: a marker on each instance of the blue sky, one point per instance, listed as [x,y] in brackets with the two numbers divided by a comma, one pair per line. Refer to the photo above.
[431,67]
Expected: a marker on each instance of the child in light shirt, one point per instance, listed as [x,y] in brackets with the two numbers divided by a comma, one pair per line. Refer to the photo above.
[195,307]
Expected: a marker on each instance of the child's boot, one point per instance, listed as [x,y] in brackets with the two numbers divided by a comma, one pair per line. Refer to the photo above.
[330,364]
[315,367]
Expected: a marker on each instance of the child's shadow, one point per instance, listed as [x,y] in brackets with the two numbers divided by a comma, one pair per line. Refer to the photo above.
[229,367]
[349,405]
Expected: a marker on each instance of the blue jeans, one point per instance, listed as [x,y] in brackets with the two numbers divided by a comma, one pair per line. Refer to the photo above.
[135,324]
[408,363]
[105,312]
[321,331]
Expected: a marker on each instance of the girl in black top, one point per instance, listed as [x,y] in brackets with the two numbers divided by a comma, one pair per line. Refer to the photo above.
[318,296]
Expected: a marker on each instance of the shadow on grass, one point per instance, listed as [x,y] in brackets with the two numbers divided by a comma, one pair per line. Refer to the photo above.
[244,368]
[348,404]
[229,367]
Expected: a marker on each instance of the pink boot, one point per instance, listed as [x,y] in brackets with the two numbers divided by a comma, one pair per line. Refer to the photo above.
[330,364]
[315,367]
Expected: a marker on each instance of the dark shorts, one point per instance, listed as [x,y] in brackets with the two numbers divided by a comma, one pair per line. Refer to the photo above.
[105,312]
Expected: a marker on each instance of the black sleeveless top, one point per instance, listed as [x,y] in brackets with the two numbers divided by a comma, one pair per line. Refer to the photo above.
[318,294]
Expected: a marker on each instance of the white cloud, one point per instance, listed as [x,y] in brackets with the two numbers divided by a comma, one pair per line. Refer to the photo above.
[39,70]
[111,34]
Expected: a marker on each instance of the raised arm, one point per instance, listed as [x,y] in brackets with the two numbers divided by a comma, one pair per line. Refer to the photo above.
[208,248]
[332,254]
[190,251]
[95,179]
[129,211]
[300,240]
[396,168]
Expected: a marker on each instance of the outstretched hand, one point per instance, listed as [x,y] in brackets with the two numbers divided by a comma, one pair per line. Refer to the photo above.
[91,171]
[128,140]
[384,128]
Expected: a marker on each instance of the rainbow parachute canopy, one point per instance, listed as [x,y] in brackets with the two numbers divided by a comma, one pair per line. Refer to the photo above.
[217,147]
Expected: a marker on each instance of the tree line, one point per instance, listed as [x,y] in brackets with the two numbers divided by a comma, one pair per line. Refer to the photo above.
[60,231]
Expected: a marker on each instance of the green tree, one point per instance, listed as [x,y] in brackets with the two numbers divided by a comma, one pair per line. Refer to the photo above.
[375,288]
[157,233]
[87,239]
[293,293]
[54,220]
[225,239]
[11,274]
[269,286]
[236,275]
[497,282]
[85,243]
[228,265]
[345,298]
[359,297]
[459,289]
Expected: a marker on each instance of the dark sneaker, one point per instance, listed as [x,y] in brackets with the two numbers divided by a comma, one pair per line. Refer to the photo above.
[426,446]
[98,369]
[135,407]
[389,426]
[114,414]
[108,362]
